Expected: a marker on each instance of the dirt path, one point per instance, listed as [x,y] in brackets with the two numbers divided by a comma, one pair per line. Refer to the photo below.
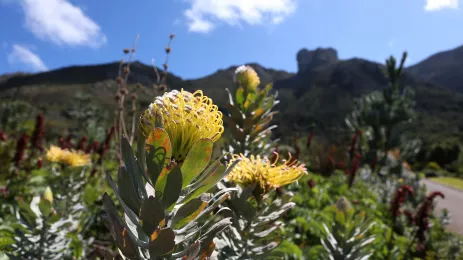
[453,202]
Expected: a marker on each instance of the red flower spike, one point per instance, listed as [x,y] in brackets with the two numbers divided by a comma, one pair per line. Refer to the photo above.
[39,163]
[37,136]
[2,136]
[20,149]
[309,139]
[81,144]
[311,183]
[354,169]
[399,199]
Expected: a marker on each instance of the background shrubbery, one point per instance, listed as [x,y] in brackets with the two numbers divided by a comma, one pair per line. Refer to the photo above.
[362,196]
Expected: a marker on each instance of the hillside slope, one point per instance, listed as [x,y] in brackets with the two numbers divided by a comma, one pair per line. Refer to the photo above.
[443,68]
[321,93]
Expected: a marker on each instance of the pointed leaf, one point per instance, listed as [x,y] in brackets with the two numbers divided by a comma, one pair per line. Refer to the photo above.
[214,230]
[26,213]
[206,184]
[128,211]
[240,96]
[45,207]
[162,243]
[126,189]
[173,187]
[248,125]
[136,174]
[123,237]
[155,162]
[197,159]
[193,251]
[207,250]
[235,114]
[141,154]
[160,138]
[159,155]
[188,212]
[151,214]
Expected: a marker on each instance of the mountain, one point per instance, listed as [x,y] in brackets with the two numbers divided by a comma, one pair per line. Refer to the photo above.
[319,94]
[443,68]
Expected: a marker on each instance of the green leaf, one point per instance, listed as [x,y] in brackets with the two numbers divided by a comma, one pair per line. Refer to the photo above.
[173,187]
[159,158]
[5,242]
[133,168]
[91,194]
[248,125]
[119,230]
[45,207]
[26,213]
[214,230]
[151,214]
[155,162]
[126,189]
[141,154]
[160,138]
[246,207]
[196,160]
[128,211]
[162,244]
[193,251]
[209,181]
[235,114]
[188,212]
[218,199]
[240,96]
[250,99]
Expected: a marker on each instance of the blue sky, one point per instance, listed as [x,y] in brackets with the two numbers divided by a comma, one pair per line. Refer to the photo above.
[39,35]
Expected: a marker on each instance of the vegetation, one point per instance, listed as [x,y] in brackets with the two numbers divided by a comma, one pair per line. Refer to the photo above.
[450,181]
[165,178]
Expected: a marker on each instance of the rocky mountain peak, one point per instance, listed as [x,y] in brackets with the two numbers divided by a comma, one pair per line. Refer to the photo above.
[307,59]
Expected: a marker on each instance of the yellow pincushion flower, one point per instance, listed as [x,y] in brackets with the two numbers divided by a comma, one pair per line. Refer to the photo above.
[247,77]
[260,171]
[186,117]
[68,157]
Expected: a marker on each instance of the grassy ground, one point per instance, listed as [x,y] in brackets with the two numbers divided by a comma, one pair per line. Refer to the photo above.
[450,181]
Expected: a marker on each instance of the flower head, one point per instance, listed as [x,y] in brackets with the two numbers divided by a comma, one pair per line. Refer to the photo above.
[186,117]
[68,157]
[246,77]
[260,171]
[343,204]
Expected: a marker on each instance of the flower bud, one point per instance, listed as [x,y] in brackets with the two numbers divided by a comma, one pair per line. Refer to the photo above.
[343,204]
[119,80]
[246,77]
[48,195]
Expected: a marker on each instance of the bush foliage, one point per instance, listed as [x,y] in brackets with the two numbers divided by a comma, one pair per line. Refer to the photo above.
[170,180]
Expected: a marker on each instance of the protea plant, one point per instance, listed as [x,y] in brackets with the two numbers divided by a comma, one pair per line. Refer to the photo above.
[163,190]
[258,206]
[250,114]
[348,238]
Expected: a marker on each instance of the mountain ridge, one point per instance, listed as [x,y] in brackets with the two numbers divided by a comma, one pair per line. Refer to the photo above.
[321,91]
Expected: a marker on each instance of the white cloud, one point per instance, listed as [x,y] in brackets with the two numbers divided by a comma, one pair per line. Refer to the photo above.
[435,5]
[23,55]
[62,23]
[203,15]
